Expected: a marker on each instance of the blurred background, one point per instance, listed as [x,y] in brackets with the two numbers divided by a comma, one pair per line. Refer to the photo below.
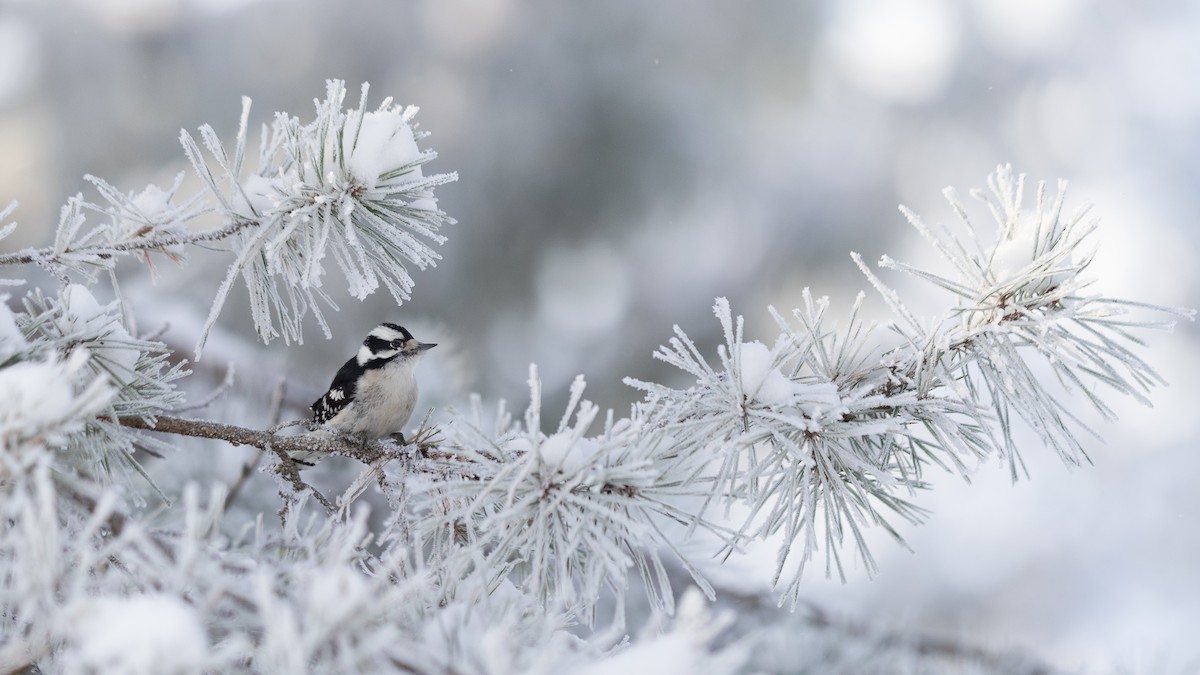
[624,163]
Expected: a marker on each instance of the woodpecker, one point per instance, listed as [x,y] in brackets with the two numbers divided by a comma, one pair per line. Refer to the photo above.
[374,392]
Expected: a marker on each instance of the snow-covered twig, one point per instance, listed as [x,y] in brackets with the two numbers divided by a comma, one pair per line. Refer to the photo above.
[51,255]
[349,185]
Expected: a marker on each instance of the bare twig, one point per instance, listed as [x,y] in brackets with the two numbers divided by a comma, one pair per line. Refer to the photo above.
[224,386]
[277,397]
[252,463]
[427,437]
[287,468]
[155,334]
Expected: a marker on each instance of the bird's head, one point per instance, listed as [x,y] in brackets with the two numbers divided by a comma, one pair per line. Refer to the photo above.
[389,341]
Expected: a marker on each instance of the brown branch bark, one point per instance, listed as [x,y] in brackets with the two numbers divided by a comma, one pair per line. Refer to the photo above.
[281,446]
[426,444]
[265,440]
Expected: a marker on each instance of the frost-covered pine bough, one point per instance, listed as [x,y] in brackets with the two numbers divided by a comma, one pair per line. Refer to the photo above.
[506,536]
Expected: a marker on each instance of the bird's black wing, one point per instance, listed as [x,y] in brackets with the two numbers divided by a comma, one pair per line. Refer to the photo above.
[340,393]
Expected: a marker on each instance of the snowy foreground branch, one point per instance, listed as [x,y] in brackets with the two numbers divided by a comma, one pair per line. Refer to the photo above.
[505,544]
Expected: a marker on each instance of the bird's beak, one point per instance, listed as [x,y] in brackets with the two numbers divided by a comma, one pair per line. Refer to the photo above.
[422,346]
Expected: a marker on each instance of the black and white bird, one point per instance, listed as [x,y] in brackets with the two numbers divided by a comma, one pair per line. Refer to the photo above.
[374,393]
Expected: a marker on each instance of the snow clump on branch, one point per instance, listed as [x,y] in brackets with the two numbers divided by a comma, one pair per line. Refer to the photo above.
[349,185]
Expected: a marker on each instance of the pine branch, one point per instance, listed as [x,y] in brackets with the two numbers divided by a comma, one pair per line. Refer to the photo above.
[814,439]
[265,440]
[282,446]
[49,255]
[425,444]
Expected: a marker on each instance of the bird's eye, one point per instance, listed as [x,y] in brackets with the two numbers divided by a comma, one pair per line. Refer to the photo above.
[397,343]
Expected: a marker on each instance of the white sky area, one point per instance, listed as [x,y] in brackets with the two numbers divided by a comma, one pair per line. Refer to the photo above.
[905,51]
[149,15]
[19,58]
[901,51]
[1026,27]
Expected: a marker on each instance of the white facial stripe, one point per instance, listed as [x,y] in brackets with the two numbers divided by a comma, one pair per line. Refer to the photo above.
[385,333]
[365,354]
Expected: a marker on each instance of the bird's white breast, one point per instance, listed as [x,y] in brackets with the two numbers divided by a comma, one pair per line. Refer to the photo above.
[383,402]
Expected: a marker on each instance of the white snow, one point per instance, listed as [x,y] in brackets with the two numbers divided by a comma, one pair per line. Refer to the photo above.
[150,214]
[259,195]
[560,451]
[1016,253]
[385,142]
[567,454]
[761,379]
[819,399]
[150,634]
[154,202]
[38,399]
[82,312]
[765,382]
